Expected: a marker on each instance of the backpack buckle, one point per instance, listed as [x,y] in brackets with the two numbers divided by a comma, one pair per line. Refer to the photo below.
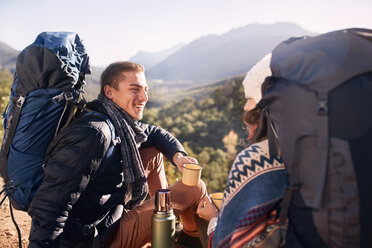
[116,141]
[10,187]
[322,108]
[20,101]
[58,98]
[69,96]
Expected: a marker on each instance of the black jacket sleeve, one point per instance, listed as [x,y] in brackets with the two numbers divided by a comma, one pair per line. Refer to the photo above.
[72,158]
[164,141]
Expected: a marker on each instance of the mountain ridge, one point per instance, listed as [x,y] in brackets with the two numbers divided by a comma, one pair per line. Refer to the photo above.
[207,59]
[213,57]
[149,59]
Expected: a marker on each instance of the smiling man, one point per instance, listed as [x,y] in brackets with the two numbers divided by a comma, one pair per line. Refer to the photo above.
[128,90]
[95,184]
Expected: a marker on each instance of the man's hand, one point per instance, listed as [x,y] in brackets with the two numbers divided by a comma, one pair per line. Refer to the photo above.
[179,159]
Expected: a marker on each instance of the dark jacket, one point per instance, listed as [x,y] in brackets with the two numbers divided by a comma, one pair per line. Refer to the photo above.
[71,203]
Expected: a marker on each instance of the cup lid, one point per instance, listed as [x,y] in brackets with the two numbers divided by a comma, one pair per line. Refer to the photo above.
[163,201]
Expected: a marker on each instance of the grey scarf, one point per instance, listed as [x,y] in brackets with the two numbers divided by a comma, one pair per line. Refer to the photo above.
[131,136]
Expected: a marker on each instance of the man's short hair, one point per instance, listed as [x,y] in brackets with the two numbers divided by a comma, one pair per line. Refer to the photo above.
[113,73]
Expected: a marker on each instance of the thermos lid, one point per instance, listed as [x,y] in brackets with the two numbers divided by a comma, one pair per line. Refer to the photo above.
[163,201]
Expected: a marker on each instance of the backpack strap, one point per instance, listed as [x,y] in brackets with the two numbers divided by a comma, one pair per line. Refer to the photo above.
[11,126]
[284,210]
[16,225]
[272,136]
[114,139]
[90,229]
[70,102]
[322,147]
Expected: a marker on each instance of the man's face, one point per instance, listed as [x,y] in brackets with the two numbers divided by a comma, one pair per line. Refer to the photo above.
[131,93]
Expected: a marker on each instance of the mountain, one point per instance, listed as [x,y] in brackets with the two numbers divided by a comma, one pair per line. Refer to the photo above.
[8,57]
[175,72]
[149,59]
[214,57]
[93,82]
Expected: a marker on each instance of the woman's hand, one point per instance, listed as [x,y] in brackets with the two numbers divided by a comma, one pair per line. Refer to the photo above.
[206,209]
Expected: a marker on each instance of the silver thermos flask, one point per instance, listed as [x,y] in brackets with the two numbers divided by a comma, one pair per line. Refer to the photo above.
[163,221]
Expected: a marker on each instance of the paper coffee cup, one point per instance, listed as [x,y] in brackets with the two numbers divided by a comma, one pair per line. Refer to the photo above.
[191,174]
[217,199]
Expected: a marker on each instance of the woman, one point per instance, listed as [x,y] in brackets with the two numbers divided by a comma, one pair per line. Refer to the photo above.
[256,180]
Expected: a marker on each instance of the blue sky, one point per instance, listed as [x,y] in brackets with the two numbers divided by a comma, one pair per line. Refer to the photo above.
[117,29]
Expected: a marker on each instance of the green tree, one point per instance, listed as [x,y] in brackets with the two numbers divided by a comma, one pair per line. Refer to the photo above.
[209,129]
[6,80]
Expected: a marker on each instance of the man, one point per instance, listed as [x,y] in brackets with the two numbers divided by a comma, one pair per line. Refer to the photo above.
[76,206]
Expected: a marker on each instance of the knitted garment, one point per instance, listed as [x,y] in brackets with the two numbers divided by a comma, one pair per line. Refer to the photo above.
[255,77]
[255,184]
[131,136]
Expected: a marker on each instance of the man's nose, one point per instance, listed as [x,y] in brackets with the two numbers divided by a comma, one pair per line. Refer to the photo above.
[143,95]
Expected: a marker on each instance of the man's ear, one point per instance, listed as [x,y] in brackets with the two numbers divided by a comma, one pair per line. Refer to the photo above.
[108,91]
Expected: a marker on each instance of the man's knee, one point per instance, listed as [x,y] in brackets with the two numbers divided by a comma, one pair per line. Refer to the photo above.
[191,194]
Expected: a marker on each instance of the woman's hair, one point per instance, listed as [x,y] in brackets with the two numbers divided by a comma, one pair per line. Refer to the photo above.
[253,117]
[257,115]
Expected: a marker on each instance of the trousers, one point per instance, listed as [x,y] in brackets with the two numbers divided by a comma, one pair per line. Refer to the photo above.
[135,225]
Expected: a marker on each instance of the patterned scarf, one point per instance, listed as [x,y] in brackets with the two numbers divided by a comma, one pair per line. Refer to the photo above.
[131,136]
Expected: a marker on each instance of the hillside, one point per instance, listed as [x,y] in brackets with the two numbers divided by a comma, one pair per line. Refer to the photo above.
[176,90]
[93,83]
[8,56]
[213,57]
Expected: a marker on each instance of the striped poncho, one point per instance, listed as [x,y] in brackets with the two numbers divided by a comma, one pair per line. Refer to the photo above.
[255,184]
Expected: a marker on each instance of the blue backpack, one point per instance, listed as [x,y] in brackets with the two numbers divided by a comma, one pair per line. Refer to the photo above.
[47,88]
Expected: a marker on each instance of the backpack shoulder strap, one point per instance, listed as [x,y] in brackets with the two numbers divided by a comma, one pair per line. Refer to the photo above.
[88,229]
[114,139]
[283,214]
